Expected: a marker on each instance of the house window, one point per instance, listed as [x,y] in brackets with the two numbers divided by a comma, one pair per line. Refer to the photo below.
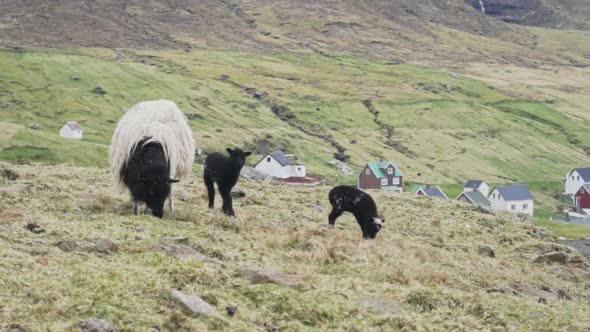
[578,178]
[525,207]
[513,207]
[268,159]
[395,181]
[368,172]
[298,168]
[390,171]
[384,181]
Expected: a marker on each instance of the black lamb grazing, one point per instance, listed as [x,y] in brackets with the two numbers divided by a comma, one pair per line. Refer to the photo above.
[225,172]
[359,203]
[147,175]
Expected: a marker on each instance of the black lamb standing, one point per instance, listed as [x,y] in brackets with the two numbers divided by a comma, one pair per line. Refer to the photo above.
[350,199]
[147,175]
[224,171]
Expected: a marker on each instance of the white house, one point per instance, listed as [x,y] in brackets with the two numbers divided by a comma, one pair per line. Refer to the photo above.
[575,179]
[278,165]
[480,185]
[71,130]
[513,198]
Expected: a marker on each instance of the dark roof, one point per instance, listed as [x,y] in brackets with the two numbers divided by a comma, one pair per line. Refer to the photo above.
[584,173]
[74,125]
[434,192]
[475,197]
[516,192]
[280,157]
[473,183]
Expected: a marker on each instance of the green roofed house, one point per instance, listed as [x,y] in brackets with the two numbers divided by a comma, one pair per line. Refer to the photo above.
[381,175]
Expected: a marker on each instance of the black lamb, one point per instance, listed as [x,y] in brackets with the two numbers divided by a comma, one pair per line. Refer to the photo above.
[224,171]
[350,199]
[147,175]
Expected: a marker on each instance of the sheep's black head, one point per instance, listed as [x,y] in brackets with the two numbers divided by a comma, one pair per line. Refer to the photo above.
[238,156]
[374,228]
[154,191]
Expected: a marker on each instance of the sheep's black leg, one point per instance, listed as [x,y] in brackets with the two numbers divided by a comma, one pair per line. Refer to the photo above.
[336,212]
[227,201]
[210,190]
[135,208]
[170,204]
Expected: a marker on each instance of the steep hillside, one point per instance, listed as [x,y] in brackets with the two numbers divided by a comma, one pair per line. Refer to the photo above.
[429,268]
[439,124]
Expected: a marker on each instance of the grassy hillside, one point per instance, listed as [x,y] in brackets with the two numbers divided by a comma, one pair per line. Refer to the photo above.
[442,125]
[423,271]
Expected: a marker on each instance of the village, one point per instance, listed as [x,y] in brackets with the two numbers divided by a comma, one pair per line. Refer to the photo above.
[385,175]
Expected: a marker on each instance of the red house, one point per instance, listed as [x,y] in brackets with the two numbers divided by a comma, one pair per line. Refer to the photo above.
[582,198]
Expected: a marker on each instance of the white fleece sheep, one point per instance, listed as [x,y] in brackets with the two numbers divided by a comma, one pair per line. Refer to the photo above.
[162,122]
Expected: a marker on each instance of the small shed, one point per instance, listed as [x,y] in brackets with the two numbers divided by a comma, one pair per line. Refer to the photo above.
[432,192]
[575,179]
[474,197]
[71,130]
[278,165]
[513,198]
[479,185]
[380,175]
[582,199]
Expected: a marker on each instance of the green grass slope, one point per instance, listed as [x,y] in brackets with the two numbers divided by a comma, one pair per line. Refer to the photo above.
[425,262]
[442,125]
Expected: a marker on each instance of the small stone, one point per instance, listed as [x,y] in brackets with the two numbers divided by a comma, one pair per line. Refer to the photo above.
[179,239]
[486,251]
[552,257]
[258,94]
[103,246]
[231,310]
[184,253]
[485,209]
[99,90]
[237,192]
[192,303]
[381,306]
[14,327]
[43,261]
[141,229]
[95,325]
[34,126]
[258,275]
[17,188]
[224,77]
[67,245]
[10,215]
[318,208]
[75,78]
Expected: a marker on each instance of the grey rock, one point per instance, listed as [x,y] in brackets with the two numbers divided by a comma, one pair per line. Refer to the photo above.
[552,257]
[486,251]
[99,90]
[34,126]
[100,245]
[4,104]
[258,94]
[193,303]
[95,325]
[179,239]
[224,77]
[249,173]
[381,306]
[318,208]
[75,78]
[17,188]
[231,310]
[257,275]
[237,192]
[544,294]
[341,166]
[184,253]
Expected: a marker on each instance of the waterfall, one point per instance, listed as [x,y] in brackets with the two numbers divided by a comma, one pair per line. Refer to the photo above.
[482,6]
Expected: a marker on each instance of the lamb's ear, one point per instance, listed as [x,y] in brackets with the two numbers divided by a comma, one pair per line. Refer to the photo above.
[228,150]
[247,153]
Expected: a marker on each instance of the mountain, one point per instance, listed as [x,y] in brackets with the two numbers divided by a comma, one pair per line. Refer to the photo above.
[437,86]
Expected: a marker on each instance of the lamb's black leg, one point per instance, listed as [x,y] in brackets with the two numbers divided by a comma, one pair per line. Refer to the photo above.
[336,212]
[210,190]
[136,208]
[227,201]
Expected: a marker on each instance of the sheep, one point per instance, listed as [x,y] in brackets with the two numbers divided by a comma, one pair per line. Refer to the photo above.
[350,199]
[225,172]
[151,147]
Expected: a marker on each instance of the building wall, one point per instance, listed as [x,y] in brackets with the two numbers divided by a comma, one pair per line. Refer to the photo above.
[582,199]
[273,168]
[368,181]
[573,182]
[67,132]
[499,204]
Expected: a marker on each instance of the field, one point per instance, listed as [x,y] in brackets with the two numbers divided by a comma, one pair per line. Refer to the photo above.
[423,271]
